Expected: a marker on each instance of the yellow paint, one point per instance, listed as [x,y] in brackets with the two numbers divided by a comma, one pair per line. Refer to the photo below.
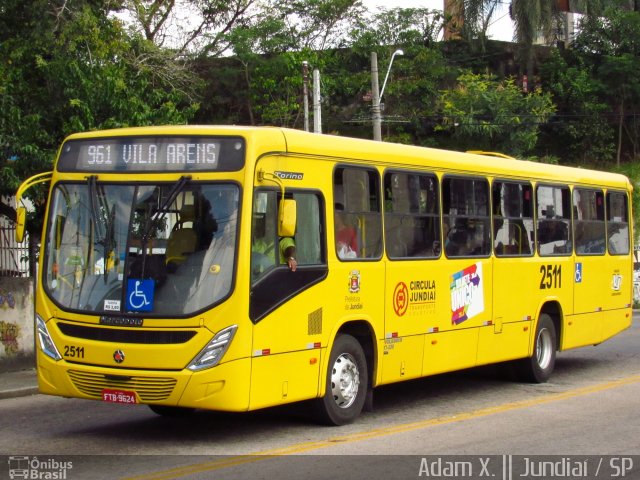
[416,338]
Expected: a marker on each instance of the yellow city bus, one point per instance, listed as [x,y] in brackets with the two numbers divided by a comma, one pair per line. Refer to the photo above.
[163,279]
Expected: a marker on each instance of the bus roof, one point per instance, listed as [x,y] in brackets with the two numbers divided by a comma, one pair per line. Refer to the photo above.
[447,160]
[292,141]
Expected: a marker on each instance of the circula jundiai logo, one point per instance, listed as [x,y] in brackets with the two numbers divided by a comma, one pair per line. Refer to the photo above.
[400,299]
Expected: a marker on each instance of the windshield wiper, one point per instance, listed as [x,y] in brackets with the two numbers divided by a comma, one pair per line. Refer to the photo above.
[164,208]
[100,210]
[151,220]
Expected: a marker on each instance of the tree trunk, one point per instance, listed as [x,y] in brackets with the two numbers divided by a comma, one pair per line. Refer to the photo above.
[620,123]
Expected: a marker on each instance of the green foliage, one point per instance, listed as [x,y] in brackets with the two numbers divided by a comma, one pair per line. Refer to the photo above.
[632,171]
[486,114]
[75,69]
[608,49]
[583,132]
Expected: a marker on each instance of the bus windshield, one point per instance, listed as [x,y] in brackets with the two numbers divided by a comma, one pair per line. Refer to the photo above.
[156,249]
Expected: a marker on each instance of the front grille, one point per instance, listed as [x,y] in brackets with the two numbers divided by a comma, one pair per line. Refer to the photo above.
[149,389]
[120,335]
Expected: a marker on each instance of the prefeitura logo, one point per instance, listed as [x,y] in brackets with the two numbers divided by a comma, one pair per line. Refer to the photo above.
[38,468]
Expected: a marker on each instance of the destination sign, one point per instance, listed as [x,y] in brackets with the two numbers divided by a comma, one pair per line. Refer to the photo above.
[152,154]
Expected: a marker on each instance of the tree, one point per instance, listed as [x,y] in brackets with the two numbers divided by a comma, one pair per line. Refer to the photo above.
[73,68]
[580,130]
[609,46]
[189,27]
[415,81]
[485,114]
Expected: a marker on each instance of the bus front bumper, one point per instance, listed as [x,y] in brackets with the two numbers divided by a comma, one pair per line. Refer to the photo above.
[224,387]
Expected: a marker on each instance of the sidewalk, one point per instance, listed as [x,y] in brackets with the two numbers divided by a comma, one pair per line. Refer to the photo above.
[18,384]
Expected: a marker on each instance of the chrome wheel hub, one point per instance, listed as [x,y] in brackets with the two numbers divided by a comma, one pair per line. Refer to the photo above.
[345,380]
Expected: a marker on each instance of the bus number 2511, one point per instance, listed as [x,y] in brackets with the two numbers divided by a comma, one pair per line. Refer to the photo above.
[551,276]
[73,351]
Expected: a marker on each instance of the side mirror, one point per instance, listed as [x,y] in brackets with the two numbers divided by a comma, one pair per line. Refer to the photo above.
[287,218]
[21,215]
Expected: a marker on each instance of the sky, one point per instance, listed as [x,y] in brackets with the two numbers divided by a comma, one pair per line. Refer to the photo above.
[501,28]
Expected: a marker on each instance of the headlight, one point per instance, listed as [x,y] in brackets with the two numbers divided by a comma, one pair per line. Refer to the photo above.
[213,352]
[46,343]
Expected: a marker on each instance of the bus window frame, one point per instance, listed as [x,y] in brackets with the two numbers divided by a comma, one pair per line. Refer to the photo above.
[380,198]
[436,249]
[531,236]
[569,241]
[576,222]
[280,284]
[628,221]
[488,218]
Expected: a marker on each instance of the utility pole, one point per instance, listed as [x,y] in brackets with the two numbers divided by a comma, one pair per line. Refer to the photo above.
[305,93]
[317,113]
[375,99]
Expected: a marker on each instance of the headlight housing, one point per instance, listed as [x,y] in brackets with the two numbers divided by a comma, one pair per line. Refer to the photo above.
[46,342]
[213,352]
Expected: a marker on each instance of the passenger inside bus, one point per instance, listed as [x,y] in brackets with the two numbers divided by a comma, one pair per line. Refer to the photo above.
[346,235]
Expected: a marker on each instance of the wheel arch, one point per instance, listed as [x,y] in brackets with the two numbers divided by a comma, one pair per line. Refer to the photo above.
[363,332]
[554,310]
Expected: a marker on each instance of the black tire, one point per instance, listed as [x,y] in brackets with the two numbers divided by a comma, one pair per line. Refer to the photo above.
[346,383]
[538,367]
[166,411]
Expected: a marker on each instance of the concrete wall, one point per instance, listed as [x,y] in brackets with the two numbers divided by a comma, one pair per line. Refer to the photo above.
[16,323]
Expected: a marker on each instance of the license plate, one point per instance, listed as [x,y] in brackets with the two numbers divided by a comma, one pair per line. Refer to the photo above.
[119,396]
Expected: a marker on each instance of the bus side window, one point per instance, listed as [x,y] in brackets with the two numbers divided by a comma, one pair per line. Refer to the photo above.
[617,223]
[356,193]
[411,212]
[589,224]
[553,220]
[266,246]
[465,206]
[309,228]
[512,218]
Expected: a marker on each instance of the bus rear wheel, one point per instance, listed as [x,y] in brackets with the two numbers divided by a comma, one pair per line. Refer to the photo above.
[539,366]
[346,384]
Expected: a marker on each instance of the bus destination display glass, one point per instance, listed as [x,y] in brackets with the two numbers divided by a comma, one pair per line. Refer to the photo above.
[152,154]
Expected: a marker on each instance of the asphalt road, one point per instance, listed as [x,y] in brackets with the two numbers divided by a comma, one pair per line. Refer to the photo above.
[591,407]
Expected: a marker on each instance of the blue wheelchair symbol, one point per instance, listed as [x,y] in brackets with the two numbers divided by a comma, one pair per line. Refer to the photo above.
[140,295]
[578,274]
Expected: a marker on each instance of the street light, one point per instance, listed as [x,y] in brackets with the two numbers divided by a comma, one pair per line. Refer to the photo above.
[377,94]
[397,52]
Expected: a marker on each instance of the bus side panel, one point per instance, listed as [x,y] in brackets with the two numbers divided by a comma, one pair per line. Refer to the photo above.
[582,329]
[430,296]
[286,349]
[402,358]
[593,277]
[283,378]
[515,300]
[618,282]
[411,307]
[450,351]
[498,343]
[615,321]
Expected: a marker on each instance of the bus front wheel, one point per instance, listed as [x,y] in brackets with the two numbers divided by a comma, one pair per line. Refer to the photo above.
[346,383]
[538,367]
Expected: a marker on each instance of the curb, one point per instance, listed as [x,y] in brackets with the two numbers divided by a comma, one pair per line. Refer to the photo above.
[18,392]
